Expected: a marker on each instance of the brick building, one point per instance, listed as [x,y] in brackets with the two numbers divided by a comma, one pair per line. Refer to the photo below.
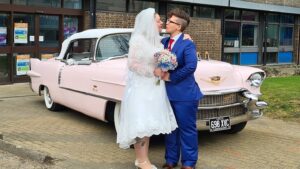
[243,32]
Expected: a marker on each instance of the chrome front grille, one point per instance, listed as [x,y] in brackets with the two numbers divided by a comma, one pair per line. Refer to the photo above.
[221,100]
[230,104]
[228,111]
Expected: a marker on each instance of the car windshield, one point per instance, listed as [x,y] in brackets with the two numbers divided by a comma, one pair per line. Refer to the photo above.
[112,46]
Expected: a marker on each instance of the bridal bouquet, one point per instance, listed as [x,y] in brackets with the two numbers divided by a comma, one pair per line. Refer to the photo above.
[166,61]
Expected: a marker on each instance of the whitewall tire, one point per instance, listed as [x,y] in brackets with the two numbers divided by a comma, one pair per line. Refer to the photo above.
[117,116]
[49,103]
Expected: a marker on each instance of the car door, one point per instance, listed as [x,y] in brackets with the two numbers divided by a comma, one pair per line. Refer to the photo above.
[111,55]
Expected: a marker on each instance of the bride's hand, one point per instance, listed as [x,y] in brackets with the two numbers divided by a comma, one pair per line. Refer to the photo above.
[187,36]
[157,72]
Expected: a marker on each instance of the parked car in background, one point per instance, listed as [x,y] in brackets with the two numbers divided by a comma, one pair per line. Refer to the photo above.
[89,76]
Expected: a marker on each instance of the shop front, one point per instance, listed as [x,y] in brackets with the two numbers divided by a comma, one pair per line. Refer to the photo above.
[33,31]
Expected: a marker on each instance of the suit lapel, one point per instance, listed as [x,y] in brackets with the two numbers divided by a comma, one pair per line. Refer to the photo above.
[177,43]
[166,43]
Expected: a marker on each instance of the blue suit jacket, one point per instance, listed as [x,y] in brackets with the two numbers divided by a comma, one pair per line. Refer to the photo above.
[183,86]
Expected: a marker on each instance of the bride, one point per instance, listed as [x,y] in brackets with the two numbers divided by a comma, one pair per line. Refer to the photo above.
[145,109]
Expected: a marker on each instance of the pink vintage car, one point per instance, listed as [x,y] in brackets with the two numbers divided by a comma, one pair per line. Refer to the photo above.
[89,76]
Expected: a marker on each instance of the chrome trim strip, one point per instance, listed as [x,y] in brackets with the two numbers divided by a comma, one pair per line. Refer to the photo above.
[96,80]
[221,92]
[220,107]
[90,94]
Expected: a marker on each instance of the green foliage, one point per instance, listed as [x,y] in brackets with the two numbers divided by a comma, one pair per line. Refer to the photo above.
[283,97]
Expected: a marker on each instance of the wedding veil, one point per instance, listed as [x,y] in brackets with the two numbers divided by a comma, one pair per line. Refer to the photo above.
[145,25]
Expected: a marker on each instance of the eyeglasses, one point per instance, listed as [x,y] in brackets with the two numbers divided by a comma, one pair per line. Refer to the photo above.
[169,21]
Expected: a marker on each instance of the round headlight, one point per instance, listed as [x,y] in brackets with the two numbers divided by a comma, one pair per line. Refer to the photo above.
[256,79]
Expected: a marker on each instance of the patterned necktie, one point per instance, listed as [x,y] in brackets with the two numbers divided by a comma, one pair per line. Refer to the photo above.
[170,44]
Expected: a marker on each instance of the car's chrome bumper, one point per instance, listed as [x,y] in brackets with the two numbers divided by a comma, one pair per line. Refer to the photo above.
[252,110]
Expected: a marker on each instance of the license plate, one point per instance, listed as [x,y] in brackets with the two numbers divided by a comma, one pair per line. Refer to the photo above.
[219,123]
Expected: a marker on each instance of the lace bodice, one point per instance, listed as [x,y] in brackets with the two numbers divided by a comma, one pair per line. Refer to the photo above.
[141,56]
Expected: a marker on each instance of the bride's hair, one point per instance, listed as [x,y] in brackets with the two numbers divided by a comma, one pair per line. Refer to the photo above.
[145,25]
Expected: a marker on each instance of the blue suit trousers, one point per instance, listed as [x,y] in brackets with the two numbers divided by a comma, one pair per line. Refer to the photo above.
[184,139]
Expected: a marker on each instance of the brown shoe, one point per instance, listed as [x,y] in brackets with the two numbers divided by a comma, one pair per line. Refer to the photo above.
[168,166]
[186,167]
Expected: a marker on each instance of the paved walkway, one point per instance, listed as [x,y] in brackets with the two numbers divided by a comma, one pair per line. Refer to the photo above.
[77,141]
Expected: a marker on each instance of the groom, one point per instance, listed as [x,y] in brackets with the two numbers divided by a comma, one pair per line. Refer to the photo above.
[183,92]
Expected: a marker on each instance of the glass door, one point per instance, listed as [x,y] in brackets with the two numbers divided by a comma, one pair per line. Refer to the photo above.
[23,45]
[4,48]
[48,36]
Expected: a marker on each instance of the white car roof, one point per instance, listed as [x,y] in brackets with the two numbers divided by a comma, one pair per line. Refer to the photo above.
[91,33]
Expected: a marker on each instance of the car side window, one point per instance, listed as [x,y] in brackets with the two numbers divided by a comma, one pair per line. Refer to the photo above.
[81,49]
[112,46]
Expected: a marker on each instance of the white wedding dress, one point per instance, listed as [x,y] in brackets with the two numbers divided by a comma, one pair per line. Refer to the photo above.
[145,108]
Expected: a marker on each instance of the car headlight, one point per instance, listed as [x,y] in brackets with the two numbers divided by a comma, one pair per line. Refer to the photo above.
[256,79]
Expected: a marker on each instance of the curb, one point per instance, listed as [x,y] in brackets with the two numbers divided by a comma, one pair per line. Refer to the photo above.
[25,153]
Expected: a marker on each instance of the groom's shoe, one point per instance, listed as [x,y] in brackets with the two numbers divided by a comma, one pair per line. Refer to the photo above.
[169,166]
[186,167]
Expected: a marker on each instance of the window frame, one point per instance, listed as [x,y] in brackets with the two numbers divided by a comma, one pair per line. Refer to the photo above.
[98,49]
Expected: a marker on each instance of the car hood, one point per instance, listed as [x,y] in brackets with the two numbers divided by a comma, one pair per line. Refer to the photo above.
[213,75]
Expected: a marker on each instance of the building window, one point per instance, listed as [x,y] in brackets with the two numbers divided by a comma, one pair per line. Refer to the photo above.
[289,19]
[113,5]
[70,26]
[49,31]
[45,3]
[73,4]
[272,35]
[249,35]
[232,34]
[4,29]
[4,1]
[271,57]
[138,5]
[23,29]
[232,58]
[232,14]
[241,34]
[286,36]
[249,16]
[186,8]
[204,12]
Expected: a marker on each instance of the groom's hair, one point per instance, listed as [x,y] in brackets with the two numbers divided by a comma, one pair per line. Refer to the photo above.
[183,17]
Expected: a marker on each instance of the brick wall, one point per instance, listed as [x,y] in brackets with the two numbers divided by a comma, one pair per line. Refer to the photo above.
[291,3]
[86,20]
[114,20]
[205,32]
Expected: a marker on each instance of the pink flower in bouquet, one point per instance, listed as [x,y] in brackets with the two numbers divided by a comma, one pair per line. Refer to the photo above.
[165,60]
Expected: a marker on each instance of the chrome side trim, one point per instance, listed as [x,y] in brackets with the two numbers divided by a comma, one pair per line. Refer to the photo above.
[220,107]
[90,94]
[96,80]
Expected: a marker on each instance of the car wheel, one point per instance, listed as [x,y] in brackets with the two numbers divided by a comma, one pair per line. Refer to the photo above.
[49,103]
[117,116]
[236,128]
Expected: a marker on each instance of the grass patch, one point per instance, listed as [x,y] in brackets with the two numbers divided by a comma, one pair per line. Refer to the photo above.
[283,97]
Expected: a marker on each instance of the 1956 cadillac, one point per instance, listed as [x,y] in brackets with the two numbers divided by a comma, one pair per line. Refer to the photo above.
[89,76]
